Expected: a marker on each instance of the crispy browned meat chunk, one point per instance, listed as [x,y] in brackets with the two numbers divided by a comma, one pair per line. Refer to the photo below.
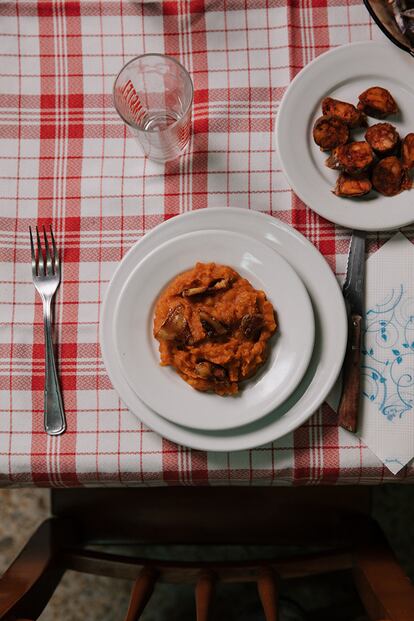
[407,152]
[344,111]
[329,132]
[353,158]
[377,102]
[406,183]
[383,138]
[209,371]
[389,177]
[175,327]
[210,324]
[251,326]
[218,285]
[348,186]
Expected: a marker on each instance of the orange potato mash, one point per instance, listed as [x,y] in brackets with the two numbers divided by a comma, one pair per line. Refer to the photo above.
[213,327]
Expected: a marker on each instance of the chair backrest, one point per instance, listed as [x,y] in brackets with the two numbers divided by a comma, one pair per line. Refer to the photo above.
[336,518]
[256,515]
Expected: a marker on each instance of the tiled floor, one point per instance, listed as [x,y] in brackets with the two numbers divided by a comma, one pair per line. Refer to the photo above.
[81,597]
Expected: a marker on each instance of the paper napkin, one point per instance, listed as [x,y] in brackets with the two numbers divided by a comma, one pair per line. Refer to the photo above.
[386,418]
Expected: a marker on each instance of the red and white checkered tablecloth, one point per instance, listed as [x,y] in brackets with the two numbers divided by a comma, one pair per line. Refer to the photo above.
[66,158]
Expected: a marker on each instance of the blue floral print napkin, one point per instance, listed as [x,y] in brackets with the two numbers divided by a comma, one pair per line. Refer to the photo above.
[386,417]
[386,421]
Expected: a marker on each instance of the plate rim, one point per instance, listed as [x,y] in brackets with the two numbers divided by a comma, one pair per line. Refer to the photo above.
[304,357]
[319,60]
[175,433]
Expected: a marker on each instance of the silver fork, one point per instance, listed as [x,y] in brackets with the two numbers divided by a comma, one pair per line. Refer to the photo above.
[46,279]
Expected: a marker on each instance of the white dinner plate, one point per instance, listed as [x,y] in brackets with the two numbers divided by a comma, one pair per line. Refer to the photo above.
[160,387]
[330,328]
[344,73]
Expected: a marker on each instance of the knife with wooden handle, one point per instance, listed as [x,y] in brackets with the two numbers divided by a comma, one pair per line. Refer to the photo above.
[353,291]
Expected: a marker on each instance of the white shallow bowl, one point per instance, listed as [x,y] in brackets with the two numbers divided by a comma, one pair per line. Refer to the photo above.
[344,73]
[160,387]
[330,329]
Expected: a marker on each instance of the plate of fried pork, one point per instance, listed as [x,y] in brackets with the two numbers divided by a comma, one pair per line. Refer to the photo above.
[345,136]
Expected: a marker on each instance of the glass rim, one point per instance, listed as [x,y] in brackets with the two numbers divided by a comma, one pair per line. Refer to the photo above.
[164,56]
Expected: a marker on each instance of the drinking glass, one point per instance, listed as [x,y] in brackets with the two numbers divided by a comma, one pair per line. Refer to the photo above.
[153,95]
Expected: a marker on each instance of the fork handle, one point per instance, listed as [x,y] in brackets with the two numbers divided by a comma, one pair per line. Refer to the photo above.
[55,422]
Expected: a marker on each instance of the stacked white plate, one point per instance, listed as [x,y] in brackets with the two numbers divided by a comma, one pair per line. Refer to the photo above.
[306,352]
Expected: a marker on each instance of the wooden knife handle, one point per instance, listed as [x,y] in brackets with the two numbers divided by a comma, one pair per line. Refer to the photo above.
[351,380]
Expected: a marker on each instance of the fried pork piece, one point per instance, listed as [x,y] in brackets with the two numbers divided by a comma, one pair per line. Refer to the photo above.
[219,285]
[352,186]
[377,102]
[389,177]
[353,158]
[344,111]
[252,325]
[211,372]
[175,327]
[407,152]
[329,132]
[383,138]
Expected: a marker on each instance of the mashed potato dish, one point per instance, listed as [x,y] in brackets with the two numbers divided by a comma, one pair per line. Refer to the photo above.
[213,327]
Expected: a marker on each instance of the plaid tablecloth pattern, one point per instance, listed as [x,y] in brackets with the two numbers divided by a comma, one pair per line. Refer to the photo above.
[66,159]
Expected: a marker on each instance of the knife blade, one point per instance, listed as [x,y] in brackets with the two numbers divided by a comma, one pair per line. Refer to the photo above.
[353,291]
[353,288]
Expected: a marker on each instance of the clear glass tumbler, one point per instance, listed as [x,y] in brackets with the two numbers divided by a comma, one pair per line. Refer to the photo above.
[153,94]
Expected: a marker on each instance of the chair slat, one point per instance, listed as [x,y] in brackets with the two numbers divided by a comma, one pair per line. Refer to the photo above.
[204,594]
[267,585]
[140,594]
[385,590]
[27,585]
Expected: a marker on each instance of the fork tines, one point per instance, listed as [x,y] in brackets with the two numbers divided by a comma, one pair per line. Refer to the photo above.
[39,266]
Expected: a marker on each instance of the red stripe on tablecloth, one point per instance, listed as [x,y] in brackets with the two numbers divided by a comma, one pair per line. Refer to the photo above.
[330,445]
[272,92]
[320,27]
[319,462]
[72,185]
[145,221]
[100,254]
[295,37]
[171,462]
[172,187]
[172,47]
[61,139]
[226,96]
[39,441]
[9,378]
[249,120]
[121,252]
[199,467]
[200,122]
[112,8]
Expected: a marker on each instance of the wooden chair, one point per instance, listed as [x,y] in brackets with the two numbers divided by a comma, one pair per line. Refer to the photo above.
[335,519]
